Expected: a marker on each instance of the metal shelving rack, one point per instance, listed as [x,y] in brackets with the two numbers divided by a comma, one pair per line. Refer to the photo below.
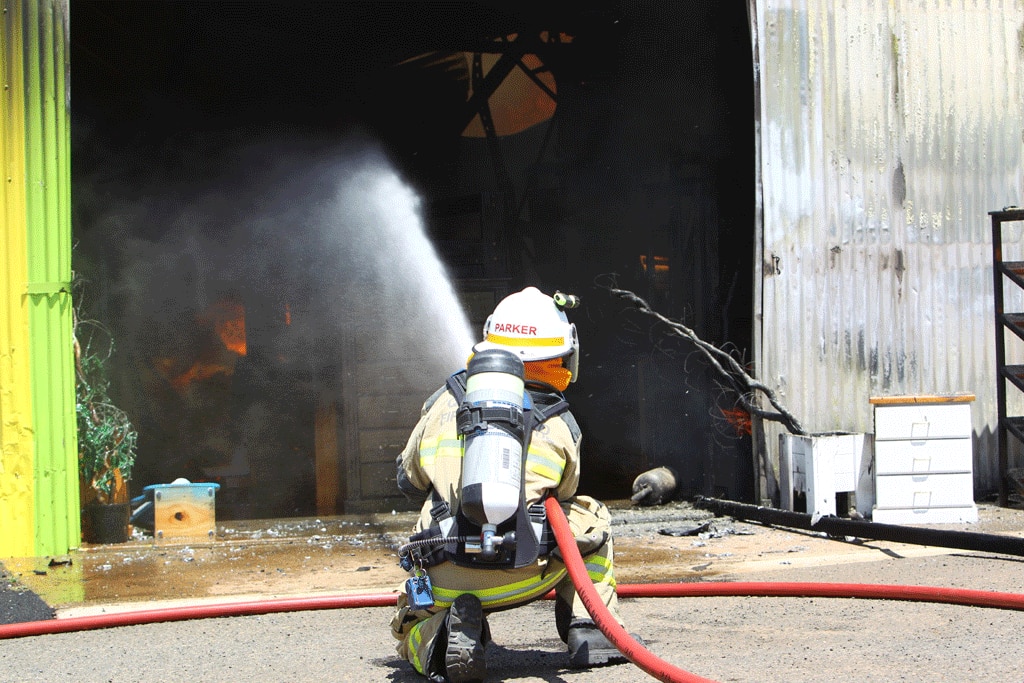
[1014,322]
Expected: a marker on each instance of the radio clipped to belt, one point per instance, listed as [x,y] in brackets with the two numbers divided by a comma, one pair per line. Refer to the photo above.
[418,591]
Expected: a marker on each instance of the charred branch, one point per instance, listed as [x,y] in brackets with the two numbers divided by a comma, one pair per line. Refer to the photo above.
[746,387]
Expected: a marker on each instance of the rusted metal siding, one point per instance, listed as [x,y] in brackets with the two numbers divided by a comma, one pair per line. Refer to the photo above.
[38,419]
[887,132]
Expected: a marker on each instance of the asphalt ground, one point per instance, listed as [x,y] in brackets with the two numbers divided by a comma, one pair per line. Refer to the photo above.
[19,604]
[722,639]
[735,639]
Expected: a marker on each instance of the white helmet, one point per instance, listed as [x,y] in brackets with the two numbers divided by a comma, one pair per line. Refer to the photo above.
[532,326]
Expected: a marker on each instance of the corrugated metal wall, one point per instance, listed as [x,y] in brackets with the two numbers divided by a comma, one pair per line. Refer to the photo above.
[37,296]
[888,130]
[16,479]
[48,172]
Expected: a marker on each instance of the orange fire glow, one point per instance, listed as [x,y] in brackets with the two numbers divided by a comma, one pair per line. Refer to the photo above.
[660,264]
[226,319]
[739,419]
[199,371]
[518,103]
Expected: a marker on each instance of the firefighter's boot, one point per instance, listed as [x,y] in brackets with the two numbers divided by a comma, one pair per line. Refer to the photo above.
[464,656]
[589,647]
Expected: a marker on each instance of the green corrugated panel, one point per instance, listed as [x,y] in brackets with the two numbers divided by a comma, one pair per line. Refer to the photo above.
[48,229]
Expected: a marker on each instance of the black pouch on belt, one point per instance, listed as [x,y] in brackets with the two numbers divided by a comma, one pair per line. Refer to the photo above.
[427,554]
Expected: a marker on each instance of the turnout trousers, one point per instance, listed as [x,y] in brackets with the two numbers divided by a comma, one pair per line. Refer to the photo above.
[418,631]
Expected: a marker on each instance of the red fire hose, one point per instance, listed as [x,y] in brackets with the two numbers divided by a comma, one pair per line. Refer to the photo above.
[230,609]
[612,629]
[644,659]
[664,671]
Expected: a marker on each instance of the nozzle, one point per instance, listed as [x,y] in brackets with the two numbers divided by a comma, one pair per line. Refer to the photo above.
[565,301]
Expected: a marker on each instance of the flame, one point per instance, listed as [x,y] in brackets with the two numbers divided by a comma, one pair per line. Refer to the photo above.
[226,319]
[739,419]
[287,314]
[518,103]
[660,264]
[199,371]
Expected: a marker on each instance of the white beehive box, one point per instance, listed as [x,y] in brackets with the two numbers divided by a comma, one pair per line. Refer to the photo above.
[924,460]
[822,465]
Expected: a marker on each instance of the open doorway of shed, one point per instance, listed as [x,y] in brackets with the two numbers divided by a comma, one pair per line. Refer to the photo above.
[206,135]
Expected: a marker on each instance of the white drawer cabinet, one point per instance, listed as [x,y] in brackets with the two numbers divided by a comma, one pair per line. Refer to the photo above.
[933,456]
[923,469]
[923,421]
[925,491]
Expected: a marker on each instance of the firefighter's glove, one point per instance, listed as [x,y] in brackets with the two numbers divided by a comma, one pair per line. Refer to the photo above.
[405,485]
[588,544]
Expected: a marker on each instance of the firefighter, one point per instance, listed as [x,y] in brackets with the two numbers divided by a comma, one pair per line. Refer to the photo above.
[444,637]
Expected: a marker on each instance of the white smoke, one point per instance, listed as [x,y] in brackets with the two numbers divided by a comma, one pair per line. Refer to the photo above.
[324,245]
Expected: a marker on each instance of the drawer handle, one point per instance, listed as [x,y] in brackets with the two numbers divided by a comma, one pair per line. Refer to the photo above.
[922,499]
[919,430]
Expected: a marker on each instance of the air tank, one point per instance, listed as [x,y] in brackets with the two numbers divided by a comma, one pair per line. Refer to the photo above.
[491,419]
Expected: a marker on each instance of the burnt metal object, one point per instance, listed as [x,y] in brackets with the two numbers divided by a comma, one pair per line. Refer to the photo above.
[654,487]
[692,531]
[838,526]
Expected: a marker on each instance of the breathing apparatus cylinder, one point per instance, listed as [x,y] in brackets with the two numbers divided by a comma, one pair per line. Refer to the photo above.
[491,421]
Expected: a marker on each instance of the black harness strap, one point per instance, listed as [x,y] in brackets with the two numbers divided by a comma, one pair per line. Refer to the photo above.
[542,407]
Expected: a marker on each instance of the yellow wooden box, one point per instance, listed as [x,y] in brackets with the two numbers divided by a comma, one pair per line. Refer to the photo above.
[184,511]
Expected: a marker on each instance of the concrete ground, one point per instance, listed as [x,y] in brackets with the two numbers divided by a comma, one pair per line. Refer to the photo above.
[726,639]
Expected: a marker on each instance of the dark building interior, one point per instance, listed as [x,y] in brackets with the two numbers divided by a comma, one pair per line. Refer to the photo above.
[272,202]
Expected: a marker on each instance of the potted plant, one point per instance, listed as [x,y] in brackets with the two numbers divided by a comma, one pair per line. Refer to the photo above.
[106,438]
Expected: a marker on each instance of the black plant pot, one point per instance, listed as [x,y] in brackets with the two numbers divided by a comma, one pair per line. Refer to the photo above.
[106,523]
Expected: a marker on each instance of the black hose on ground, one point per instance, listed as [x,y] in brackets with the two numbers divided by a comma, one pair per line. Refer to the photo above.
[839,526]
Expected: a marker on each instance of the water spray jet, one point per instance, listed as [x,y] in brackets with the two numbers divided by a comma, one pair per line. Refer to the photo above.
[326,255]
[411,298]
